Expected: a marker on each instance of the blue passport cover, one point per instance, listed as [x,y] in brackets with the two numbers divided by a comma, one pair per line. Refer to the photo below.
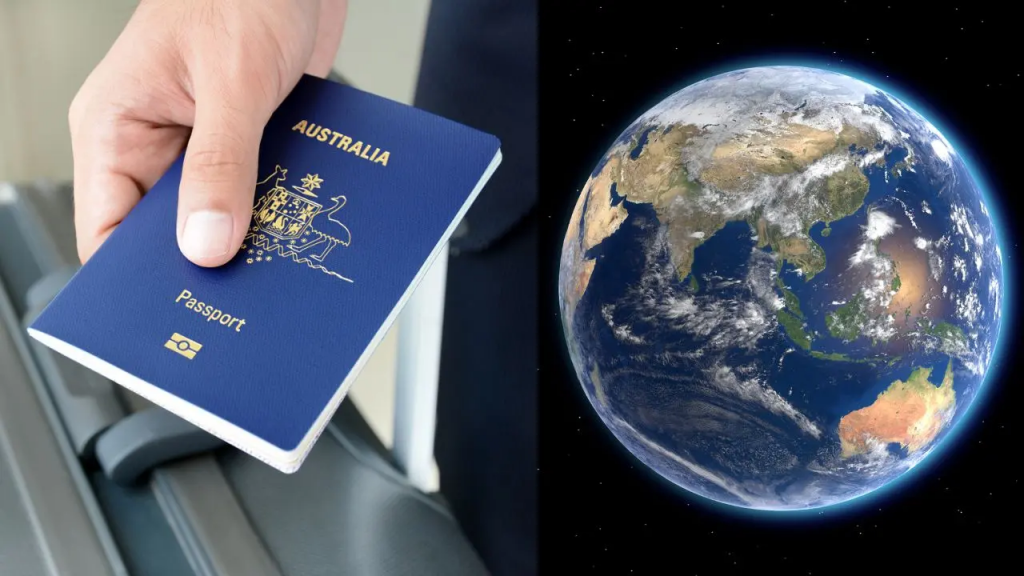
[356,196]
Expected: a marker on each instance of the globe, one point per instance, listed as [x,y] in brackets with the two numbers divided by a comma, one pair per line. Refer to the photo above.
[781,287]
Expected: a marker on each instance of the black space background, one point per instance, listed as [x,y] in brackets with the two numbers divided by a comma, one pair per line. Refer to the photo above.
[604,63]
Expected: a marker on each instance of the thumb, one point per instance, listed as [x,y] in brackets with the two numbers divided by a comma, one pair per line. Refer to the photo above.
[217,181]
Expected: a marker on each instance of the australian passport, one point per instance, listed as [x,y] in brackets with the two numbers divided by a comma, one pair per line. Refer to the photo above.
[356,195]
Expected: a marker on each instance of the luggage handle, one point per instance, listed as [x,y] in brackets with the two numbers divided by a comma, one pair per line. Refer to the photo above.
[417,375]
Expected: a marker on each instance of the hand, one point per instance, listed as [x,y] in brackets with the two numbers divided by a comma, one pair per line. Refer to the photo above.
[206,72]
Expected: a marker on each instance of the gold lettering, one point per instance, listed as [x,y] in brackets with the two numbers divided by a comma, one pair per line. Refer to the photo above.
[342,142]
[211,313]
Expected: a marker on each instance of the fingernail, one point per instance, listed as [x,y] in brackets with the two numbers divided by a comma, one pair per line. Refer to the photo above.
[206,234]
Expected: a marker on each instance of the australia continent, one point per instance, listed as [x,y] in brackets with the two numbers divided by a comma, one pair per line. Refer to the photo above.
[910,414]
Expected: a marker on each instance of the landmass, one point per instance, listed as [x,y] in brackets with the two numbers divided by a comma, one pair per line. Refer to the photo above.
[910,414]
[602,218]
[789,298]
[952,340]
[727,189]
[794,328]
[595,379]
[845,322]
[593,219]
[791,318]
[840,357]
[805,254]
[658,177]
[835,356]
[578,283]
[950,334]
[743,178]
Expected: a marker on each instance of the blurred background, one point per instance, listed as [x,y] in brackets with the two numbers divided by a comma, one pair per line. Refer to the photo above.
[48,48]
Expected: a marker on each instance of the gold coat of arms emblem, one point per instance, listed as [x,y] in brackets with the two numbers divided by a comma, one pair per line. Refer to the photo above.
[283,224]
[286,215]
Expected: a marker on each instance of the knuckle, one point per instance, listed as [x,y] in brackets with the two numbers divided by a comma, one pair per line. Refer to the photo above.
[217,162]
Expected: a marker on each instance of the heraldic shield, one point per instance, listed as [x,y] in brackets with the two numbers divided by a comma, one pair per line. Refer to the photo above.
[285,215]
[283,228]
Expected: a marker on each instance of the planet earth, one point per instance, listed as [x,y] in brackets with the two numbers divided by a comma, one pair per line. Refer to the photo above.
[781,288]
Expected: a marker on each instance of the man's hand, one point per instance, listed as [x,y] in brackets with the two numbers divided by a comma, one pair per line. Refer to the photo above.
[208,73]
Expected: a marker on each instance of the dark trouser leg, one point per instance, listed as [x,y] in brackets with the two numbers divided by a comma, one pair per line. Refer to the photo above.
[479,68]
[487,405]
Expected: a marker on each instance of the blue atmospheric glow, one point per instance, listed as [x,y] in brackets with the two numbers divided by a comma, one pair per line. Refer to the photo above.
[994,207]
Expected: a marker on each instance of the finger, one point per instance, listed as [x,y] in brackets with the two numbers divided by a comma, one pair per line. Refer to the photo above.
[115,161]
[218,180]
[330,24]
[104,192]
[102,199]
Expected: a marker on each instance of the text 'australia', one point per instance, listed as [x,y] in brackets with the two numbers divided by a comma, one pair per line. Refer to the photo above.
[340,141]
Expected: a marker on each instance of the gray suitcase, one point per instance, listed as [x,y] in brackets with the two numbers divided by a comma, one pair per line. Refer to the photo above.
[96,481]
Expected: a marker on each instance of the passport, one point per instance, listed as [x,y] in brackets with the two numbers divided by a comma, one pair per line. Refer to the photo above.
[356,196]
